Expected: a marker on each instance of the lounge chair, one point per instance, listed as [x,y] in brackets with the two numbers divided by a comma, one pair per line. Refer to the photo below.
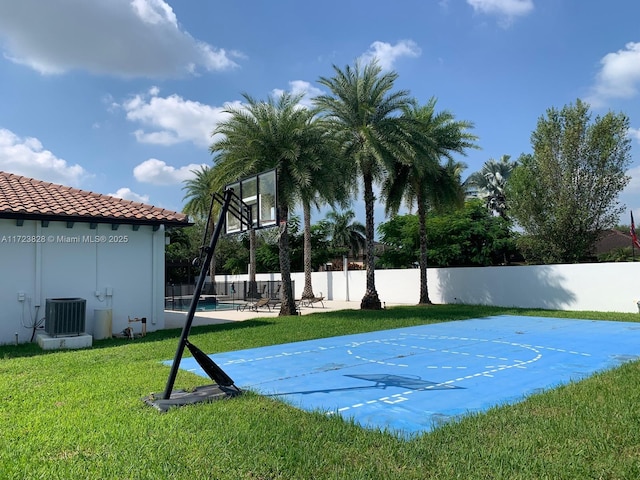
[262,302]
[313,300]
[308,302]
[274,302]
[255,305]
[275,299]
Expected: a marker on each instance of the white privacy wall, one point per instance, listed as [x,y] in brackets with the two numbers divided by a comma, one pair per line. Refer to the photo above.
[121,270]
[611,287]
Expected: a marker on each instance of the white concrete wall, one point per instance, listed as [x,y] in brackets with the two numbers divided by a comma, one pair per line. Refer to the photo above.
[613,287]
[122,270]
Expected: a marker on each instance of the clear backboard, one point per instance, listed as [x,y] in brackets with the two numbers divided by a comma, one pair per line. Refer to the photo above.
[256,194]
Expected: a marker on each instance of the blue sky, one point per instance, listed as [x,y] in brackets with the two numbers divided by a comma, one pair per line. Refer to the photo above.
[120,96]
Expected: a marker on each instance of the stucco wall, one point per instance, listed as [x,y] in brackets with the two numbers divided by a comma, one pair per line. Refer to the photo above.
[611,287]
[122,270]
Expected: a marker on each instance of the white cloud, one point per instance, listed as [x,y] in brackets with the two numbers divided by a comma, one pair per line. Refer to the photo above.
[387,54]
[157,172]
[634,183]
[634,133]
[631,191]
[507,10]
[127,194]
[154,12]
[173,119]
[118,37]
[619,76]
[26,156]
[300,87]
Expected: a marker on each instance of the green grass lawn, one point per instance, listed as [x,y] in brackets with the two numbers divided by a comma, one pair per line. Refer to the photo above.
[79,415]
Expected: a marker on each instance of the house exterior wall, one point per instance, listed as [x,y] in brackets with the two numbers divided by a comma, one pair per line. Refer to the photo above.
[612,287]
[121,270]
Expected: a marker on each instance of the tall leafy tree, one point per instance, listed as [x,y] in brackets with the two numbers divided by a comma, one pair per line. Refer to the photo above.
[468,236]
[232,254]
[425,181]
[276,133]
[566,192]
[179,253]
[363,112]
[400,237]
[491,183]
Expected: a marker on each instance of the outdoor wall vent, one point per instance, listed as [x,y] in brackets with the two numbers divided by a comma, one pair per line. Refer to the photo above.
[65,316]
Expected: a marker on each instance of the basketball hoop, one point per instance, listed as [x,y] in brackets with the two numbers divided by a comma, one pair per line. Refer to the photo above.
[258,194]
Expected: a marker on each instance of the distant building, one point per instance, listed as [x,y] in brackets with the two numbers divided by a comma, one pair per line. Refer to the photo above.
[611,240]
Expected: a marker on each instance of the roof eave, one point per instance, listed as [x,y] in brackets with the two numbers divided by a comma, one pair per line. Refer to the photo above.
[94,219]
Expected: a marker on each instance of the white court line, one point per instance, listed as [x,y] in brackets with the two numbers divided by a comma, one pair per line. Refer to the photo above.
[489,372]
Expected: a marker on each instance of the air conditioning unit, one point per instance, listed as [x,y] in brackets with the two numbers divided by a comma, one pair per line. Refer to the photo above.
[65,316]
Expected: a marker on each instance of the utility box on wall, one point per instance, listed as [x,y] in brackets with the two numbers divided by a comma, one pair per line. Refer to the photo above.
[65,316]
[102,321]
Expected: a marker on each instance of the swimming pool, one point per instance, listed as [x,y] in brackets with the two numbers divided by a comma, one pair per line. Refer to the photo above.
[207,303]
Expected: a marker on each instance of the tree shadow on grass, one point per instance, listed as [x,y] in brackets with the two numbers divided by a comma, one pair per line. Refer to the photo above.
[33,349]
[331,323]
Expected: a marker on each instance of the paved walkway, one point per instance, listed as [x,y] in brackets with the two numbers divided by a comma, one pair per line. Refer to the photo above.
[174,319]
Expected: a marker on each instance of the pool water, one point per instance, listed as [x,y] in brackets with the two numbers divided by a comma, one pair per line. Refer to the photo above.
[204,305]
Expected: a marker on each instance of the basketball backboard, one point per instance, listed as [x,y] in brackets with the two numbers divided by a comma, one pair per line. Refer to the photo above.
[257,194]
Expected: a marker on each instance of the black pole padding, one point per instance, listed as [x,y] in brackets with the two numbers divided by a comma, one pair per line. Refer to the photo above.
[210,367]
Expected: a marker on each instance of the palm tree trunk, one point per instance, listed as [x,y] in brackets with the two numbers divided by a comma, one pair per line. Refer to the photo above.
[424,290]
[370,301]
[288,306]
[308,289]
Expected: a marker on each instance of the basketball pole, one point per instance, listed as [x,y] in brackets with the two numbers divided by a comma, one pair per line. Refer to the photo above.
[196,296]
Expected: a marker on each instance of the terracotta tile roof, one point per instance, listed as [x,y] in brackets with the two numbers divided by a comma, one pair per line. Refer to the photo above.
[23,197]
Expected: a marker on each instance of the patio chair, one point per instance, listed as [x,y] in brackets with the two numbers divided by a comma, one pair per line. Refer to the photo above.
[313,300]
[308,302]
[262,302]
[275,299]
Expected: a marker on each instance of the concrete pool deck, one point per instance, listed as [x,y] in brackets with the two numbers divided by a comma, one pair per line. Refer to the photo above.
[174,319]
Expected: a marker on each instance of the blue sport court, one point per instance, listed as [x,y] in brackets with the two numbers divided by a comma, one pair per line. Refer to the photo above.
[410,380]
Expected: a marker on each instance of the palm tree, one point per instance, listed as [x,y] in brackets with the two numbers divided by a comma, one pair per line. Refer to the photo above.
[425,181]
[347,234]
[326,186]
[199,191]
[280,134]
[363,114]
[490,183]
